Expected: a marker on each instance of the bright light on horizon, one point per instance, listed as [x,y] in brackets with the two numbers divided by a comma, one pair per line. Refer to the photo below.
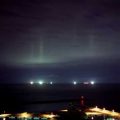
[92,82]
[40,82]
[31,82]
[51,82]
[74,82]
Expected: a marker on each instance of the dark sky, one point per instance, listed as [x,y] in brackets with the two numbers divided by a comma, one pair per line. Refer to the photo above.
[68,38]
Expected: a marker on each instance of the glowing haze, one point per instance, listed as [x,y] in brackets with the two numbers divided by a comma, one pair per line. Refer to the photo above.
[59,33]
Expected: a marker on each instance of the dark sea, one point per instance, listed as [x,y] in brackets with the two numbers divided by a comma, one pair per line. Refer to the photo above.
[42,98]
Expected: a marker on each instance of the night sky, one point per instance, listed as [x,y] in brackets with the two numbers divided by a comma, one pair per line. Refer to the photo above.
[60,40]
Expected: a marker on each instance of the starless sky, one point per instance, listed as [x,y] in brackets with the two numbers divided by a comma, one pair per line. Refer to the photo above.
[68,35]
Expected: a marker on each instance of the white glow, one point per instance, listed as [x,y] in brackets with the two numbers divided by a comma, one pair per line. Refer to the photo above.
[74,82]
[92,82]
[86,83]
[31,82]
[4,118]
[92,117]
[51,82]
[40,82]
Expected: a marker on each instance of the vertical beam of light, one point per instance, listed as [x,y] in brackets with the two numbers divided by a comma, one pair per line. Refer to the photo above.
[41,50]
[91,44]
[31,51]
[75,33]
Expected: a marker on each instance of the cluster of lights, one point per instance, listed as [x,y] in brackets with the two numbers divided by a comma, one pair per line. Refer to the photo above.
[91,82]
[49,116]
[27,116]
[24,115]
[41,82]
[99,111]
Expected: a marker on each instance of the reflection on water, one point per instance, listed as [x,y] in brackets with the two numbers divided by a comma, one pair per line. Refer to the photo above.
[45,107]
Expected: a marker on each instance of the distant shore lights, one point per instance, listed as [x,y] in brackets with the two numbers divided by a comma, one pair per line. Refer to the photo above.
[92,82]
[31,82]
[74,82]
[41,82]
[51,83]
